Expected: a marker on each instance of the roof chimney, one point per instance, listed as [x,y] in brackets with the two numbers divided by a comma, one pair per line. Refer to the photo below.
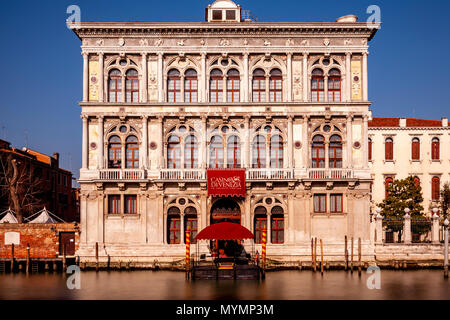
[349,18]
[445,122]
[402,122]
[56,157]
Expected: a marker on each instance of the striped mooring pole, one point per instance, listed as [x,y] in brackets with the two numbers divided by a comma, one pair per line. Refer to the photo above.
[263,253]
[188,251]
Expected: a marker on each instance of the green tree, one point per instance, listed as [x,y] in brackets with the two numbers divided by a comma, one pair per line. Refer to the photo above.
[401,194]
[445,199]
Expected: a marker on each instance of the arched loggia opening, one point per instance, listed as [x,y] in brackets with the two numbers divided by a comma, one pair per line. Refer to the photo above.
[225,210]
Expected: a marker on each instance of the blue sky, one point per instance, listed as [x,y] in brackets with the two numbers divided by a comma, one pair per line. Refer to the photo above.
[41,79]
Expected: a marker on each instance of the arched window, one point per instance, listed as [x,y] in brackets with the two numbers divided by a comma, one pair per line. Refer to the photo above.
[277,226]
[173,225]
[190,86]
[335,152]
[173,86]
[334,85]
[216,152]
[318,152]
[216,86]
[435,189]
[388,182]
[276,86]
[114,152]
[132,152]
[276,152]
[233,152]
[115,86]
[415,149]
[259,152]
[259,86]
[317,86]
[370,149]
[233,81]
[132,86]
[191,153]
[389,149]
[173,152]
[435,152]
[260,223]
[191,222]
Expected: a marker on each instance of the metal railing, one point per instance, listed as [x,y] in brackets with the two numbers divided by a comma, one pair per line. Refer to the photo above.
[330,174]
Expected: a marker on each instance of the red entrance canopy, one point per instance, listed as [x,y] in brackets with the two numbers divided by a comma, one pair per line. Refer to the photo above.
[224,231]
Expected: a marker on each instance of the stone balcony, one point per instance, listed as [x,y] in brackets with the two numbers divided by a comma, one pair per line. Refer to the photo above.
[330,174]
[122,174]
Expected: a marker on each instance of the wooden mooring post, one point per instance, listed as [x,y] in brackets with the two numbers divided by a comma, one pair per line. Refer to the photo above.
[96,256]
[312,253]
[346,253]
[321,256]
[359,257]
[12,257]
[27,267]
[351,258]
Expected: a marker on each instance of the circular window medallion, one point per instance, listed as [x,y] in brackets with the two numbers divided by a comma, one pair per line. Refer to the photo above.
[326,128]
[298,144]
[93,79]
[182,201]
[153,145]
[357,145]
[269,201]
[356,79]
[93,146]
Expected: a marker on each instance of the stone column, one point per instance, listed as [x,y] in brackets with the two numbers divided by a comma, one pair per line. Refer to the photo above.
[247,151]
[144,88]
[349,141]
[305,142]
[246,76]
[289,228]
[203,79]
[145,142]
[101,77]
[365,142]
[379,229]
[435,229]
[289,77]
[290,142]
[372,228]
[83,217]
[305,76]
[101,220]
[160,77]
[407,229]
[204,143]
[101,143]
[365,77]
[84,152]
[161,142]
[348,78]
[85,76]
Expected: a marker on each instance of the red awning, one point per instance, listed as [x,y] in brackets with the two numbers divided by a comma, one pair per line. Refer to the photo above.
[224,231]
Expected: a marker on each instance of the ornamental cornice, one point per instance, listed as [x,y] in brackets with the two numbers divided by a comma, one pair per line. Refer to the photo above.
[408,128]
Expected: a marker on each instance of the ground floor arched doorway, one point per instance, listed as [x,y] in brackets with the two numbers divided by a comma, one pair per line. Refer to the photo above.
[226,210]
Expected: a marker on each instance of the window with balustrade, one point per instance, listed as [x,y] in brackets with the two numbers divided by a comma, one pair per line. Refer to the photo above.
[225,147]
[276,151]
[174,152]
[435,152]
[191,152]
[335,152]
[268,148]
[233,152]
[114,152]
[318,152]
[259,152]
[123,140]
[132,152]
[415,149]
[216,151]
[173,86]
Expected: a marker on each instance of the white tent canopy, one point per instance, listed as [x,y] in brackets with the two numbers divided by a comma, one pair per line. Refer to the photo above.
[8,216]
[43,216]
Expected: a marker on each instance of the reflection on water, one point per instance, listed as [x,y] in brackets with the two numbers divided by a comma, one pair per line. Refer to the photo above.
[284,285]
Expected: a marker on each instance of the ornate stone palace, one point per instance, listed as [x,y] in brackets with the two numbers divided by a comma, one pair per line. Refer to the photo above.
[285,106]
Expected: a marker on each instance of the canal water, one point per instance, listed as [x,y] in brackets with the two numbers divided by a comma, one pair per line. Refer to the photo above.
[282,285]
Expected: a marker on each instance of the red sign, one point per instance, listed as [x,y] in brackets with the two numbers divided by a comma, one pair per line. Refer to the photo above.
[226,183]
